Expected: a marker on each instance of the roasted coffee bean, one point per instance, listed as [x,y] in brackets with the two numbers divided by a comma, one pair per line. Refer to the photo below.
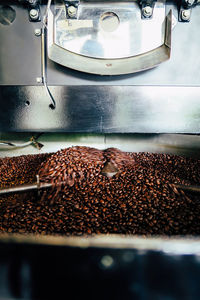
[139,199]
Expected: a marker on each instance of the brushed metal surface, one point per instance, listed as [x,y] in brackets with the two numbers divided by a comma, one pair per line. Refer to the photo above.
[101,109]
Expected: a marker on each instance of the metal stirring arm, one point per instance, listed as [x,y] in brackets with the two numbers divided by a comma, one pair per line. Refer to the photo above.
[189,188]
[109,170]
[26,187]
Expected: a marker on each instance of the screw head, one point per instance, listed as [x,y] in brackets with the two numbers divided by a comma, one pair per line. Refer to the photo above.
[147,11]
[39,79]
[185,15]
[37,31]
[71,11]
[34,15]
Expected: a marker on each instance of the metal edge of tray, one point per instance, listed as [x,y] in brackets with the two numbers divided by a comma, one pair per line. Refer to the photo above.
[129,65]
[170,245]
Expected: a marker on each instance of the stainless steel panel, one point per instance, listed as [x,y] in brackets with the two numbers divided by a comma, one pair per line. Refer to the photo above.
[101,109]
[20,60]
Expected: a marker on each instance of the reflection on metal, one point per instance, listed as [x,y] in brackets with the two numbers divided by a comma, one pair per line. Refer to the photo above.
[102,109]
[167,245]
[131,45]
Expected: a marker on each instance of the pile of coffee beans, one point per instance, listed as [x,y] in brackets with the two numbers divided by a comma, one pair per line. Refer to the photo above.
[139,199]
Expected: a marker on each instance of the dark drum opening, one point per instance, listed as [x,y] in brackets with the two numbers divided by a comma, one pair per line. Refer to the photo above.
[7,15]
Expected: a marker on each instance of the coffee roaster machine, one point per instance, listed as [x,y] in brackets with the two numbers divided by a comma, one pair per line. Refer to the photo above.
[100,68]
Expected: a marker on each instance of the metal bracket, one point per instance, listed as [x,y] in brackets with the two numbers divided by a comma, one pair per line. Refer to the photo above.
[185,10]
[71,8]
[147,7]
[33,10]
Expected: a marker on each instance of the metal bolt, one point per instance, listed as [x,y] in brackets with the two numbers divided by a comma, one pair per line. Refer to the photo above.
[185,15]
[39,79]
[34,15]
[38,32]
[72,10]
[147,11]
